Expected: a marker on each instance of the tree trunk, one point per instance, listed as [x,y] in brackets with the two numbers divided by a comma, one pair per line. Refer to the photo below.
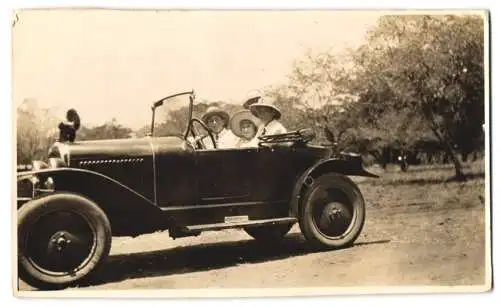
[459,174]
[465,155]
[378,157]
[445,157]
[430,156]
[445,140]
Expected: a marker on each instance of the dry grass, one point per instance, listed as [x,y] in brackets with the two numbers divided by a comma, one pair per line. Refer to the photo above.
[426,187]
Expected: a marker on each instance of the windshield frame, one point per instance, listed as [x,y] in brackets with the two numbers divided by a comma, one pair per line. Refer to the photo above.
[160,102]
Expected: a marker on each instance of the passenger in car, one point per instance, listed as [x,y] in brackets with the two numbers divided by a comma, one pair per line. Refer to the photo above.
[217,120]
[244,125]
[269,116]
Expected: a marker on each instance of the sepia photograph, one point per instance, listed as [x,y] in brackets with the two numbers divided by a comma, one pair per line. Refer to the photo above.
[250,152]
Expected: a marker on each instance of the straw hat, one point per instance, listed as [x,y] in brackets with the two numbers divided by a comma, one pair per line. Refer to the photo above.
[213,110]
[238,117]
[262,104]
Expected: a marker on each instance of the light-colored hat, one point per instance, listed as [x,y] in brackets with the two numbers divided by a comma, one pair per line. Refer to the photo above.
[253,96]
[251,101]
[263,104]
[238,117]
[213,110]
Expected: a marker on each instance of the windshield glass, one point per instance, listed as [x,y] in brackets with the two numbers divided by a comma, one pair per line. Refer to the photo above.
[172,117]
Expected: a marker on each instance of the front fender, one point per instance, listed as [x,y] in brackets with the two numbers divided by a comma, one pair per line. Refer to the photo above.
[348,165]
[128,211]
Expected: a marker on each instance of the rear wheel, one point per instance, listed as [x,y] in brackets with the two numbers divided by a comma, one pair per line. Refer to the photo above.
[62,239]
[332,212]
[269,233]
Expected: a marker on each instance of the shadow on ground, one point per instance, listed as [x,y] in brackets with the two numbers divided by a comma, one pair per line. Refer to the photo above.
[203,257]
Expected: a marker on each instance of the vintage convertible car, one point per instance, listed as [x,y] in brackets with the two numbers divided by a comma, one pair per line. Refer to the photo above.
[71,206]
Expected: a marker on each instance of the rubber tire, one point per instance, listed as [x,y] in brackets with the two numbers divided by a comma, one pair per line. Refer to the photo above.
[28,214]
[306,221]
[269,233]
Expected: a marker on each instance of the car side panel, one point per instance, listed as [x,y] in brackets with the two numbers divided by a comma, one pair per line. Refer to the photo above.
[129,212]
[226,175]
[273,174]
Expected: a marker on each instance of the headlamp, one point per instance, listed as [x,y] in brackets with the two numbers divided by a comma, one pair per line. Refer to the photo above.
[49,184]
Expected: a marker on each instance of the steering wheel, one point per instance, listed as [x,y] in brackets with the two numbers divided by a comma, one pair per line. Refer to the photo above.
[200,144]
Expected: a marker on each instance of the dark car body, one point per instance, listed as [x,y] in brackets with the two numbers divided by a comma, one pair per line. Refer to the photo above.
[142,185]
[149,184]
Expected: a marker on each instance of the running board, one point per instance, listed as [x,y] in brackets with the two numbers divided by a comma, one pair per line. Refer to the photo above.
[240,224]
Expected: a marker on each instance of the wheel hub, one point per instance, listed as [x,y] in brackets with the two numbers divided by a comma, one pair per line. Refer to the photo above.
[333,211]
[60,240]
[333,219]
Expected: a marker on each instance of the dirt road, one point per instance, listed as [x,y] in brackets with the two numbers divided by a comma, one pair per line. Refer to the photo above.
[432,234]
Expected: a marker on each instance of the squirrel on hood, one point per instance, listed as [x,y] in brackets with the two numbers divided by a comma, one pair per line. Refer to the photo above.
[67,130]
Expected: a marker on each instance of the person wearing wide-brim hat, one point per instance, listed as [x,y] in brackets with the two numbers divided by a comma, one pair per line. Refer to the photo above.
[269,115]
[217,120]
[215,111]
[244,125]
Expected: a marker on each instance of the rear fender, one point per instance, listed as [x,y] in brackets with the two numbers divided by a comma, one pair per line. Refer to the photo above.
[351,166]
[128,211]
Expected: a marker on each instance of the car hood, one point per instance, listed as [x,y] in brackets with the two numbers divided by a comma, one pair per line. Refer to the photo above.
[72,153]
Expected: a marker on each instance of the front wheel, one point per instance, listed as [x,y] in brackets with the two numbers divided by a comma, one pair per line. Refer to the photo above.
[332,212]
[62,239]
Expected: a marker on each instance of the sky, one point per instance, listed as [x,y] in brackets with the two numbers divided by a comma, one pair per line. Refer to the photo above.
[113,64]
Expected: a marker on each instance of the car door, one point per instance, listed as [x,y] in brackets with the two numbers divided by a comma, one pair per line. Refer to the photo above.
[275,172]
[225,175]
[176,173]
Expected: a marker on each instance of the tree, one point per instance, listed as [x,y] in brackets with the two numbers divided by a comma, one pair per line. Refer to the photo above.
[416,79]
[109,130]
[315,97]
[429,67]
[36,131]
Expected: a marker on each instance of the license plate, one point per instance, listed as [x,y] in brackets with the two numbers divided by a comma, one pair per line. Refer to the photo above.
[236,219]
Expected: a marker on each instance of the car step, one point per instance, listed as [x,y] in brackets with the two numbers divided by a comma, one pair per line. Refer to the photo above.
[240,224]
